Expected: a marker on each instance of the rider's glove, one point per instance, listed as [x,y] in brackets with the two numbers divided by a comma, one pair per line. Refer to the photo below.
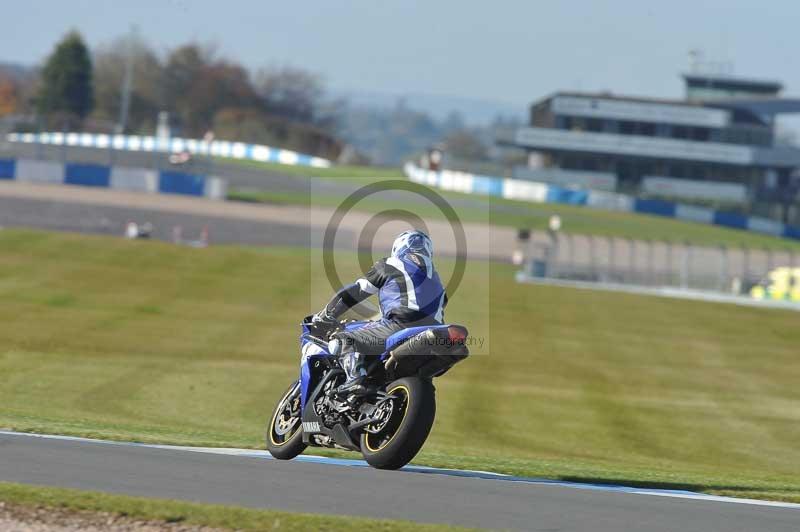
[322,317]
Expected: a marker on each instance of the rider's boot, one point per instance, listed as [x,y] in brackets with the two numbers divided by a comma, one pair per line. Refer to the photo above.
[356,375]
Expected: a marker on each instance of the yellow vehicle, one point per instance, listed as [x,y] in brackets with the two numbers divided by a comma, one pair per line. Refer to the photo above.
[780,283]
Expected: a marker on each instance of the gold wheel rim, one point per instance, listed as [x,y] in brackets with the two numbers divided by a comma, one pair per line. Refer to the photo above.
[405,411]
[275,416]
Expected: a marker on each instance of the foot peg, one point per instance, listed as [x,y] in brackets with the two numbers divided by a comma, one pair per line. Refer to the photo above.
[353,387]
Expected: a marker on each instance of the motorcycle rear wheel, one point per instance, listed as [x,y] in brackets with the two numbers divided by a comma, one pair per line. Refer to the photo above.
[401,436]
[284,433]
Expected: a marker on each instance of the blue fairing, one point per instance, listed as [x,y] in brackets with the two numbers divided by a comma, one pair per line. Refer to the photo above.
[308,361]
[307,364]
[305,378]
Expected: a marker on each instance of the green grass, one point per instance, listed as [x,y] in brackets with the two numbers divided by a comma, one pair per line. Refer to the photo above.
[518,214]
[356,174]
[146,341]
[513,213]
[211,515]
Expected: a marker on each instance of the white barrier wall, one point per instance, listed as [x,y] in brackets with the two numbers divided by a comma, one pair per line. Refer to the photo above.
[215,188]
[524,190]
[764,225]
[114,177]
[39,171]
[610,201]
[693,189]
[134,179]
[568,178]
[221,148]
[691,213]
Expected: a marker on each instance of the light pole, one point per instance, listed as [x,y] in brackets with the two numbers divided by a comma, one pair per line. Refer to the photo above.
[127,82]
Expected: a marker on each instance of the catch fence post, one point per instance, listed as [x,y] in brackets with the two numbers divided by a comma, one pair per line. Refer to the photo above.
[685,266]
[571,253]
[612,263]
[745,264]
[553,265]
[64,143]
[770,259]
[632,260]
[39,144]
[668,261]
[724,268]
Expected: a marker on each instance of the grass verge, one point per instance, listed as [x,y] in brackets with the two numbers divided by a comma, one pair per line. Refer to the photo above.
[518,214]
[513,213]
[145,341]
[212,515]
[349,173]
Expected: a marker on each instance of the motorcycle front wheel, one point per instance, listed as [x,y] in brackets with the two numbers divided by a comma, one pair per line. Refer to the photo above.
[285,431]
[405,422]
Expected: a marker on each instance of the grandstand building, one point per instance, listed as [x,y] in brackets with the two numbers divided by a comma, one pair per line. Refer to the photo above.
[717,144]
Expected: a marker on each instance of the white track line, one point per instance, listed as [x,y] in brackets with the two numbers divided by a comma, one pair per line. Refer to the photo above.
[485,475]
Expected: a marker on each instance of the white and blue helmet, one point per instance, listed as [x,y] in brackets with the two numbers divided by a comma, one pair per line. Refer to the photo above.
[412,242]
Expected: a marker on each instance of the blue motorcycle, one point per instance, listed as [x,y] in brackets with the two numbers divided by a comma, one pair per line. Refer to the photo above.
[388,425]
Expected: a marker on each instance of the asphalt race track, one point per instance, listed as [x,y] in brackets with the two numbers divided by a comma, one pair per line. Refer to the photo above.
[104,211]
[98,218]
[247,478]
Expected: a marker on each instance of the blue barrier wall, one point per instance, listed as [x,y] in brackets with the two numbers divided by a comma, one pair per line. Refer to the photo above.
[520,190]
[568,196]
[7,168]
[730,219]
[487,185]
[180,183]
[124,178]
[791,231]
[89,175]
[656,207]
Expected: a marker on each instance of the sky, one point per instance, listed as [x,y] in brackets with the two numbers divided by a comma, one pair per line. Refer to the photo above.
[510,52]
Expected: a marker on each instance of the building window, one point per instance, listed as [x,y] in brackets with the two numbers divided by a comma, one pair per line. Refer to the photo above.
[646,128]
[627,128]
[680,132]
[594,124]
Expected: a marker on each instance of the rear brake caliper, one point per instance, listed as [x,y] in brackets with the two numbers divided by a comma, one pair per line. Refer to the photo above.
[381,414]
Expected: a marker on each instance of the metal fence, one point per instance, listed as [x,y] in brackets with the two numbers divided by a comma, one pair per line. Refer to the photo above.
[652,263]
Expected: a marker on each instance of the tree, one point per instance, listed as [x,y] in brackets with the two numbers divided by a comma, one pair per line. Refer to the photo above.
[290,93]
[197,86]
[8,96]
[146,98]
[244,124]
[466,146]
[19,84]
[66,82]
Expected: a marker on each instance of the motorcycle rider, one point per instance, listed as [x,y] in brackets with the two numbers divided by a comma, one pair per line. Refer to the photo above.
[410,294]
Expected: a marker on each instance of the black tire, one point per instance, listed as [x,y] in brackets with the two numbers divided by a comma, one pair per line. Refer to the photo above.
[285,443]
[402,438]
